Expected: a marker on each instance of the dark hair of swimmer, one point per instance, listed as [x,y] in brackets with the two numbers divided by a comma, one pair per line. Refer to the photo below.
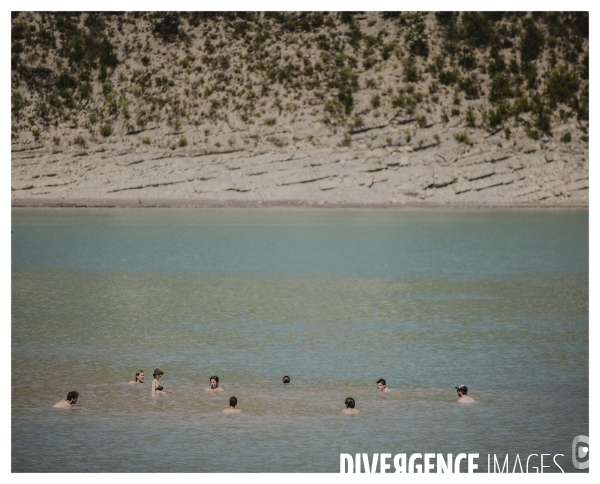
[286,379]
[382,381]
[215,378]
[350,402]
[72,395]
[463,389]
[233,401]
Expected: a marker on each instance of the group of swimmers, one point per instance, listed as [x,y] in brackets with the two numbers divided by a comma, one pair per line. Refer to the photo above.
[157,389]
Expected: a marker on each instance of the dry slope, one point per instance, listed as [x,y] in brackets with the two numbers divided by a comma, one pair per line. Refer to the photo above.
[351,107]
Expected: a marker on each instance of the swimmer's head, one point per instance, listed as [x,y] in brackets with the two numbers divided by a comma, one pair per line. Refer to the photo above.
[461,390]
[72,397]
[158,371]
[233,402]
[214,381]
[139,376]
[286,379]
[350,402]
[380,384]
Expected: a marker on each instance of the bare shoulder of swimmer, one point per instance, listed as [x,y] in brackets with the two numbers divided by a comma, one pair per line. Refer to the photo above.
[232,410]
[350,411]
[466,399]
[62,404]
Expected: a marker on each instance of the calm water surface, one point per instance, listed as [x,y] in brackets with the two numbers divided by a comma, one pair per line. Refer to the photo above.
[334,298]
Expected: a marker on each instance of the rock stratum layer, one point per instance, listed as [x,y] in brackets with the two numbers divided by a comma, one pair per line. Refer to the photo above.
[347,109]
[436,174]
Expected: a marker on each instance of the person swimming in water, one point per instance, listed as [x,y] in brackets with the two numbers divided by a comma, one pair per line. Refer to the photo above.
[139,377]
[350,410]
[381,386]
[232,404]
[157,388]
[69,401]
[214,385]
[462,395]
[286,379]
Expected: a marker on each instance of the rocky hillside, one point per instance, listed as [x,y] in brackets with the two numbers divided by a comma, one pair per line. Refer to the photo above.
[345,107]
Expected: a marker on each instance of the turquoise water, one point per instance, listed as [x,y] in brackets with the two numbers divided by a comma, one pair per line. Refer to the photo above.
[334,298]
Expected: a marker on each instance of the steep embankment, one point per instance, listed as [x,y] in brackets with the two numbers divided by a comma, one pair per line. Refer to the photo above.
[345,108]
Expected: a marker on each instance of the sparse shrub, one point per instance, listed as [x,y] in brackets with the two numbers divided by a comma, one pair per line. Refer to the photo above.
[498,116]
[146,140]
[463,137]
[167,28]
[106,130]
[56,140]
[436,137]
[79,141]
[416,38]
[470,86]
[566,137]
[18,103]
[347,141]
[407,137]
[369,62]
[270,121]
[376,101]
[411,72]
[532,41]
[182,141]
[507,132]
[470,118]
[36,133]
[217,144]
[477,29]
[541,113]
[561,85]
[467,59]
[501,88]
[449,77]
[277,141]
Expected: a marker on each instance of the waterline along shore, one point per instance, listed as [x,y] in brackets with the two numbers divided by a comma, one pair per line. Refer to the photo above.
[299,204]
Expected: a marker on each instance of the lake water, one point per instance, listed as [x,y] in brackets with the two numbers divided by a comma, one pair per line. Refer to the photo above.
[336,299]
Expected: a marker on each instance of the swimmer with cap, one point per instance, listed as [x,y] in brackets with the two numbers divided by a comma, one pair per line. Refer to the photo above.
[462,395]
[350,410]
[214,385]
[69,401]
[232,404]
[381,386]
[286,379]
[157,388]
